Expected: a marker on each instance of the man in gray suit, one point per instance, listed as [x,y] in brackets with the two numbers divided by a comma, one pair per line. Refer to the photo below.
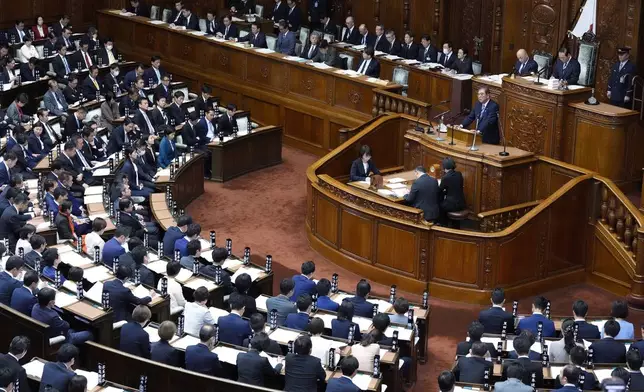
[424,194]
[14,111]
[326,55]
[282,304]
[54,99]
[285,40]
[513,383]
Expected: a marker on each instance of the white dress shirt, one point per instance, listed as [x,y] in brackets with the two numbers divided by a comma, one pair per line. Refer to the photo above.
[26,52]
[195,317]
[24,244]
[91,240]
[320,348]
[364,67]
[177,300]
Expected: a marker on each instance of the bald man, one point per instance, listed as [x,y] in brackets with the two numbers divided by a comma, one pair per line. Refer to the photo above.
[525,66]
[366,38]
[351,34]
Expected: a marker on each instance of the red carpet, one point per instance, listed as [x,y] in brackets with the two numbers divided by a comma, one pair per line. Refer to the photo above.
[266,211]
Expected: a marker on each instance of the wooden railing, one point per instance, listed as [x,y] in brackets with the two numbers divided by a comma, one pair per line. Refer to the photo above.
[638,96]
[620,216]
[497,220]
[386,101]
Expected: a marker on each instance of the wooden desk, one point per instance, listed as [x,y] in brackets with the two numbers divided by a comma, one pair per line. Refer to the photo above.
[311,104]
[187,183]
[425,85]
[247,153]
[408,176]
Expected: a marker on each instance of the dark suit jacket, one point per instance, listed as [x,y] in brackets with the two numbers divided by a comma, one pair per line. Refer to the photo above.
[258,41]
[427,55]
[127,102]
[23,300]
[233,31]
[70,45]
[587,330]
[71,95]
[134,340]
[191,22]
[471,369]
[307,48]
[529,67]
[302,373]
[27,74]
[488,121]
[380,43]
[637,381]
[317,10]
[424,195]
[352,36]
[570,74]
[448,63]
[131,222]
[330,28]
[89,90]
[294,18]
[373,69]
[141,10]
[608,350]
[116,140]
[59,68]
[533,355]
[530,367]
[62,227]
[273,347]
[176,17]
[225,124]
[7,360]
[368,39]
[341,328]
[212,27]
[280,11]
[30,259]
[297,321]
[619,84]
[341,384]
[163,352]
[493,318]
[463,348]
[139,120]
[149,73]
[453,199]
[410,52]
[57,375]
[171,236]
[4,176]
[357,172]
[531,322]
[244,8]
[201,360]
[233,329]
[120,299]
[464,66]
[57,326]
[35,146]
[176,113]
[251,368]
[162,91]
[10,223]
[79,57]
[393,48]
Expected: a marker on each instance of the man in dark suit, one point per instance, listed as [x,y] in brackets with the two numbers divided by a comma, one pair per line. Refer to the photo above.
[486,114]
[107,54]
[13,219]
[258,325]
[233,328]
[609,350]
[138,9]
[134,339]
[380,42]
[8,281]
[472,369]
[45,313]
[294,15]
[567,68]
[200,358]
[91,85]
[586,329]
[204,101]
[362,307]
[463,63]
[65,40]
[366,38]
[114,248]
[349,366]
[120,296]
[522,347]
[312,47]
[424,194]
[317,12]
[328,27]
[163,89]
[23,298]
[28,71]
[38,246]
[251,366]
[129,219]
[525,66]
[71,92]
[531,322]
[569,378]
[494,317]
[409,48]
[242,7]
[280,11]
[60,64]
[256,38]
[81,59]
[190,21]
[620,86]
[300,320]
[634,363]
[327,55]
[17,350]
[189,131]
[285,43]
[120,136]
[176,18]
[225,122]
[57,374]
[152,75]
[452,197]
[227,29]
[351,35]
[474,333]
[142,119]
[17,33]
[130,77]
[369,66]
[74,123]
[212,24]
[162,351]
[447,58]
[302,370]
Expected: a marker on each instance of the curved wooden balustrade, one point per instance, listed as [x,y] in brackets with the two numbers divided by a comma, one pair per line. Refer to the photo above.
[387,101]
[544,219]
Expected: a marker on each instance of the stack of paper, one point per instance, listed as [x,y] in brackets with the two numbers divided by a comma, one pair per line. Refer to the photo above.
[260,303]
[362,381]
[184,342]
[232,264]
[283,336]
[327,318]
[411,62]
[553,84]
[363,322]
[216,313]
[200,282]
[396,185]
[205,245]
[386,192]
[602,374]
[393,57]
[92,378]
[64,299]
[321,65]
[253,272]
[111,389]
[198,33]
[140,292]
[183,275]
[218,39]
[227,354]
[405,334]
[34,369]
[359,47]
[71,286]
[152,257]
[295,58]
[158,266]
[95,293]
[156,22]
[102,172]
[338,298]
[265,51]
[163,173]
[379,53]
[97,274]
[64,249]
[383,306]
[400,192]
[76,260]
[274,361]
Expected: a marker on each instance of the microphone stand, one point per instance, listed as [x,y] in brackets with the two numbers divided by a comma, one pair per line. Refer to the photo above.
[538,81]
[465,111]
[503,153]
[476,130]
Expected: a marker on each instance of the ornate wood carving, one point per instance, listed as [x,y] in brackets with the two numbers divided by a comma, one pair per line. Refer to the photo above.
[355,97]
[609,32]
[526,128]
[491,192]
[264,71]
[423,258]
[406,15]
[490,254]
[544,23]
[437,18]
[223,58]
[307,84]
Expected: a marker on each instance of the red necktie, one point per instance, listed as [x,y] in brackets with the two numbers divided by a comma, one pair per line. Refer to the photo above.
[87,60]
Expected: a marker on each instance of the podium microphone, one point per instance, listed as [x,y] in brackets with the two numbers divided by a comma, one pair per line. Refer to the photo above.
[418,128]
[538,81]
[465,111]
[503,153]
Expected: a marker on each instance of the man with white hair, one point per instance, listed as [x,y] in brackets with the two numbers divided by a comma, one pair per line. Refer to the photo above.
[525,65]
[351,34]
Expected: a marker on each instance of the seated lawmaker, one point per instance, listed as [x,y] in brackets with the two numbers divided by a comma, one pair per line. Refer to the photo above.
[167,147]
[282,304]
[199,357]
[233,329]
[349,366]
[114,247]
[525,66]
[424,194]
[324,302]
[619,311]
[9,278]
[258,325]
[586,329]
[134,339]
[472,369]
[23,299]
[369,65]
[486,115]
[530,323]
[174,233]
[181,244]
[494,317]
[304,283]
[58,374]
[300,320]
[243,283]
[361,306]
[162,351]
[51,261]
[196,314]
[451,195]
[175,290]
[607,349]
[256,38]
[341,326]
[463,63]
[474,334]
[567,68]
[578,356]
[121,297]
[45,313]
[634,363]
[302,370]
[363,166]
[251,366]
[522,346]
[219,256]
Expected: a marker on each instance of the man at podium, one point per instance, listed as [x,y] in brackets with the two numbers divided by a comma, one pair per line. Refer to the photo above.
[486,114]
[361,167]
[567,68]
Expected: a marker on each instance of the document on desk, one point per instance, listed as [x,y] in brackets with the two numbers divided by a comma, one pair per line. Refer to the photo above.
[94,190]
[462,76]
[379,53]
[200,282]
[102,172]
[253,272]
[184,342]
[386,192]
[260,303]
[218,39]
[198,33]
[111,389]
[152,257]
[602,374]
[96,274]
[156,22]
[396,185]
[295,58]
[231,264]
[205,245]
[154,335]
[183,275]
[381,82]
[327,318]
[34,369]
[95,293]
[321,66]
[92,378]
[410,62]
[158,266]
[284,335]
[42,226]
[274,361]
[71,286]
[264,50]
[363,323]
[64,299]
[76,260]
[393,57]
[338,298]
[227,354]
[400,192]
[403,333]
[358,47]
[93,199]
[141,292]
[362,381]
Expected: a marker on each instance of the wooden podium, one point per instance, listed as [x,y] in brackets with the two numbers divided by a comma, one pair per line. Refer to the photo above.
[534,116]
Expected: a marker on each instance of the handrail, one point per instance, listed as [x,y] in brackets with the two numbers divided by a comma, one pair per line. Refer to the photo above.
[571,167]
[386,101]
[499,219]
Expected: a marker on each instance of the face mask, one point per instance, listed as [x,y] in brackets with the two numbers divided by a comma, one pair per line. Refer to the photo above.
[109,47]
[445,51]
[116,73]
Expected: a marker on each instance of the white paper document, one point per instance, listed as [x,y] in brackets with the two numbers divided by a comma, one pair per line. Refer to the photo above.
[379,53]
[232,264]
[199,282]
[227,354]
[284,336]
[393,57]
[321,66]
[183,275]
[184,342]
[338,298]
[71,286]
[140,292]
[95,293]
[156,22]
[75,260]
[64,299]
[396,185]
[102,172]
[34,369]
[216,313]
[94,190]
[265,51]
[92,378]
[93,199]
[198,33]
[205,245]
[362,381]
[260,303]
[253,272]
[158,266]
[403,333]
[359,47]
[274,361]
[64,249]
[97,274]
[363,322]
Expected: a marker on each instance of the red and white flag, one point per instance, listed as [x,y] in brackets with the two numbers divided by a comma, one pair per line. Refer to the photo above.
[587,20]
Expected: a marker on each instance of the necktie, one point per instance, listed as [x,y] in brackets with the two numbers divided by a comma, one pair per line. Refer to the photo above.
[226,32]
[482,111]
[621,65]
[212,26]
[363,67]
[66,65]
[311,50]
[49,131]
[88,61]
[364,39]
[391,47]
[95,84]
[82,158]
[290,10]
[136,173]
[67,42]
[57,101]
[147,121]
[426,50]
[188,20]
[377,40]
[565,65]
[521,68]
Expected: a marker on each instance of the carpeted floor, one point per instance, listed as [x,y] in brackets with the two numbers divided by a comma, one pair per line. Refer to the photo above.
[265,210]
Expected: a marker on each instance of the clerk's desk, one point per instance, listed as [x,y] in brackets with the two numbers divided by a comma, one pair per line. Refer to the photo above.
[558,124]
[311,104]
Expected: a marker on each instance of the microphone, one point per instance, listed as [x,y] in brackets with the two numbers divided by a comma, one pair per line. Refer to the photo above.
[513,72]
[538,82]
[418,128]
[464,111]
[503,153]
[431,127]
